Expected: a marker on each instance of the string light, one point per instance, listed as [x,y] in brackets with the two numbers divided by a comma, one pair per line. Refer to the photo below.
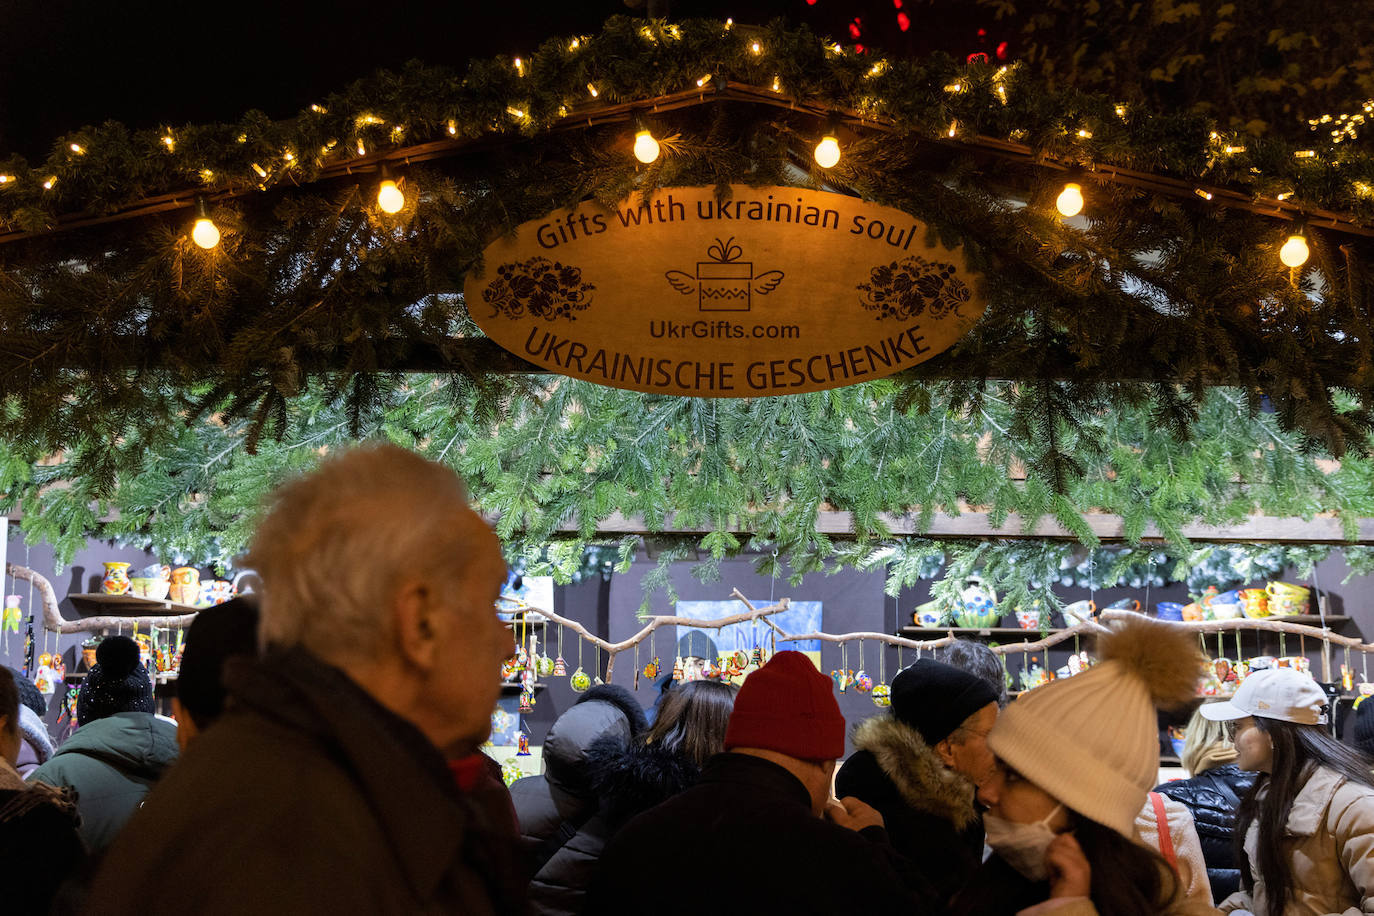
[574,44]
[48,185]
[592,89]
[207,176]
[366,120]
[452,128]
[777,84]
[362,148]
[729,24]
[170,142]
[1294,252]
[1070,200]
[78,149]
[704,80]
[646,147]
[756,48]
[954,87]
[1085,134]
[514,112]
[204,233]
[1203,193]
[519,67]
[389,196]
[288,155]
[1232,150]
[6,179]
[827,152]
[1120,111]
[953,128]
[262,172]
[319,109]
[1304,154]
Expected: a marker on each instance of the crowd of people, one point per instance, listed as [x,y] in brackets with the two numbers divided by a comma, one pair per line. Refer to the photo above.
[326,759]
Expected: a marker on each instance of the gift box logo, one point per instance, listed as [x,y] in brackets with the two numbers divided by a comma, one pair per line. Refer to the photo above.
[724,283]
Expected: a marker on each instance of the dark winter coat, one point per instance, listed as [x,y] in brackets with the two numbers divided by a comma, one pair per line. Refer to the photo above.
[39,845]
[1214,796]
[927,807]
[745,833]
[552,807]
[628,782]
[111,764]
[308,796]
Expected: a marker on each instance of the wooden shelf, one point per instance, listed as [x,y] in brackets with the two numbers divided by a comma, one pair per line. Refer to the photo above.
[937,632]
[129,604]
[1314,620]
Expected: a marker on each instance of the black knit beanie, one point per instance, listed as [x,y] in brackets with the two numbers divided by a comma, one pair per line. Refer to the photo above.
[696,644]
[935,698]
[29,694]
[1364,727]
[117,682]
[220,632]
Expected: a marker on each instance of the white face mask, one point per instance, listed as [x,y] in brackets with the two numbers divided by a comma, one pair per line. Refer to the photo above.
[1022,846]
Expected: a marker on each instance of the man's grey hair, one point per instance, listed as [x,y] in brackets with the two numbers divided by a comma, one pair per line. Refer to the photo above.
[979,661]
[334,544]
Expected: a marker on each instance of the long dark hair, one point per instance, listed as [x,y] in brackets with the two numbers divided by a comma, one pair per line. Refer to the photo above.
[1299,750]
[1127,879]
[692,720]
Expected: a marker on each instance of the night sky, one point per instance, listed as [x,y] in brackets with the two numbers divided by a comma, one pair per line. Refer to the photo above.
[68,63]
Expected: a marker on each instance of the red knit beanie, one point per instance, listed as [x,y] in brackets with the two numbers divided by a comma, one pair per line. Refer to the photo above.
[789,707]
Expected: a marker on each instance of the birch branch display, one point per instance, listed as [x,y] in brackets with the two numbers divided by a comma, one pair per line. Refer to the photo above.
[54,622]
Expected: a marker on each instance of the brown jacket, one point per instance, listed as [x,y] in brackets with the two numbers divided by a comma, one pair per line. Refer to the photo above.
[310,797]
[1331,828]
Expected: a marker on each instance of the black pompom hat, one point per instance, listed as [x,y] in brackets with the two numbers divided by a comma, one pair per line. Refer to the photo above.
[117,682]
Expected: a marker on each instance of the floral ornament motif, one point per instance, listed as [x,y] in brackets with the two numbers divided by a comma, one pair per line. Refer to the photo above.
[912,286]
[538,287]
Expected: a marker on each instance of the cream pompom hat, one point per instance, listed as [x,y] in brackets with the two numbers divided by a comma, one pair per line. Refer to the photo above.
[1092,740]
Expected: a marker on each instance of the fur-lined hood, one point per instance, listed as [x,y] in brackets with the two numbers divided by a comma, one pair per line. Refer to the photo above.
[923,781]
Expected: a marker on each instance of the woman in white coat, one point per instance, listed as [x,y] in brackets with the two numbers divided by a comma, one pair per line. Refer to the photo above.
[1308,823]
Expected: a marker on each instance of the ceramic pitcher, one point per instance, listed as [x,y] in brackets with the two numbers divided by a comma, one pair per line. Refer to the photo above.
[185,585]
[116,581]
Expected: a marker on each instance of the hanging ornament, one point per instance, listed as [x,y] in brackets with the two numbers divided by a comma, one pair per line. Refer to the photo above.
[523,745]
[652,668]
[526,701]
[757,657]
[882,696]
[59,669]
[546,666]
[711,672]
[862,682]
[42,678]
[28,648]
[560,667]
[9,623]
[677,669]
[580,681]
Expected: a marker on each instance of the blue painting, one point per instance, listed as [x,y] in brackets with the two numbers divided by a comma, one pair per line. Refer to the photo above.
[505,722]
[800,617]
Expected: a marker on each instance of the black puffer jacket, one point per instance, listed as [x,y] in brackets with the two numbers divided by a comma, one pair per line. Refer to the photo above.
[628,782]
[1213,796]
[551,808]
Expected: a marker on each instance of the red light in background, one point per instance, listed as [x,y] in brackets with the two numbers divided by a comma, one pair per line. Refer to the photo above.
[858,49]
[854,28]
[897,3]
[982,33]
[903,21]
[978,56]
[1002,51]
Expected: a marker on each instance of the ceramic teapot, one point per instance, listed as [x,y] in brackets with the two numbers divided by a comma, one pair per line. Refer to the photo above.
[977,604]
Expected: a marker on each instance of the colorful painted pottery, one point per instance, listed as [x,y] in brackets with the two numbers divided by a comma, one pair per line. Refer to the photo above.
[1296,662]
[185,587]
[546,665]
[116,581]
[929,615]
[1125,604]
[1286,600]
[1029,619]
[88,648]
[560,667]
[1192,611]
[1225,610]
[882,696]
[1254,602]
[580,681]
[978,602]
[526,701]
[862,682]
[1169,610]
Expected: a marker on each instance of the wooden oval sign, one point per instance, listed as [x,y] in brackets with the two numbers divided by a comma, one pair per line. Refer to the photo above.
[774,291]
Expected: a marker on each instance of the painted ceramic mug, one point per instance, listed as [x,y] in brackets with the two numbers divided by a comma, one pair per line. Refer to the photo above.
[185,585]
[1169,610]
[1255,602]
[929,615]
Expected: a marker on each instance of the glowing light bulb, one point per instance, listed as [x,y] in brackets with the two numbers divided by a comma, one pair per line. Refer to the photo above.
[1070,200]
[78,149]
[646,147]
[389,197]
[827,152]
[205,233]
[1294,251]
